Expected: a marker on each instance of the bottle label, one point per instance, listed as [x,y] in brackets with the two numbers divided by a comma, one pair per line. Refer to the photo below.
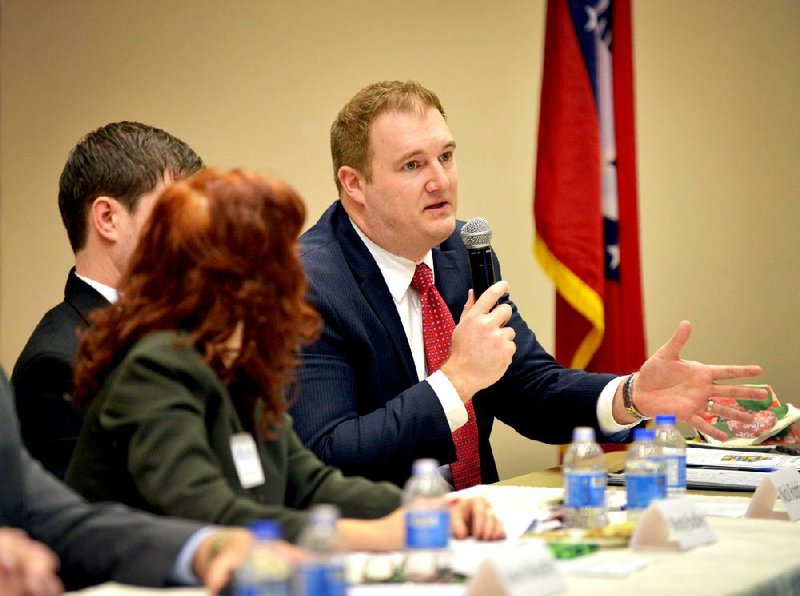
[263,588]
[427,528]
[676,471]
[324,578]
[643,489]
[584,489]
[661,486]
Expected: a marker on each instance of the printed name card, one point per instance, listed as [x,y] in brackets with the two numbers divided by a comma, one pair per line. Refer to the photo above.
[784,483]
[672,524]
[521,569]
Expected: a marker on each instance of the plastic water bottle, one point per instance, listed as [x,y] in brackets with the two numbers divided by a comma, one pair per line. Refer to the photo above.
[264,571]
[645,475]
[427,522]
[584,481]
[324,574]
[673,450]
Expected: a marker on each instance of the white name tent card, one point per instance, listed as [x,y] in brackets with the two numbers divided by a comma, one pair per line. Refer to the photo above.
[672,524]
[784,483]
[522,569]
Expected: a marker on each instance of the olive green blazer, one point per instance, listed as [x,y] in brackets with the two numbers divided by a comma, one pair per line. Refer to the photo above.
[158,437]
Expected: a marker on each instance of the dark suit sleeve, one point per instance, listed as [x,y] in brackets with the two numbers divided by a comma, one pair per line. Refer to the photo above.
[98,543]
[538,397]
[311,482]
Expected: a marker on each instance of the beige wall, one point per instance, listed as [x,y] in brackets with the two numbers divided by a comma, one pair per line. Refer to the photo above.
[256,84]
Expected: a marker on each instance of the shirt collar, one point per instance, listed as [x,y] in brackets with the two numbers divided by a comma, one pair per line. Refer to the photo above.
[397,271]
[105,291]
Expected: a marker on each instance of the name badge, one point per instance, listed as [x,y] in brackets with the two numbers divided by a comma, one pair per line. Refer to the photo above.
[670,524]
[783,483]
[246,460]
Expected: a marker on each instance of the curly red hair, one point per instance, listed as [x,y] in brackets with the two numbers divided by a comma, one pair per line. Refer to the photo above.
[218,253]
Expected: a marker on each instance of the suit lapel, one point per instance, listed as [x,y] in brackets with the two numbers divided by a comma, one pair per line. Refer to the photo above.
[373,286]
[449,281]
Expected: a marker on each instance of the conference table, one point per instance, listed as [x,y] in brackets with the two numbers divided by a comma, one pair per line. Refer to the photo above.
[749,556]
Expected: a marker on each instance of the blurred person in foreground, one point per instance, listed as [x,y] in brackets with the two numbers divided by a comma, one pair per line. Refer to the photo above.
[105,193]
[50,538]
[381,388]
[184,376]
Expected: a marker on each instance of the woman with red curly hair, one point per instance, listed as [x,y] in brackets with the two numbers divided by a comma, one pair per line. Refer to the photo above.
[184,376]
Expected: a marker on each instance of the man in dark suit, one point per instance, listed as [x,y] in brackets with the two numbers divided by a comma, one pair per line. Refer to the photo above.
[51,538]
[367,402]
[107,188]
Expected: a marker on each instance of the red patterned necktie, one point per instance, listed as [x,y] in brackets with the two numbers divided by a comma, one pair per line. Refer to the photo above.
[437,331]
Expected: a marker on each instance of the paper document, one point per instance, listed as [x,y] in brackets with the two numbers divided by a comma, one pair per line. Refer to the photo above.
[712,479]
[519,507]
[740,460]
[723,479]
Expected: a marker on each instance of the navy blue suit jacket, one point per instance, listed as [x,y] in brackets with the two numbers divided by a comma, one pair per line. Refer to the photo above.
[360,406]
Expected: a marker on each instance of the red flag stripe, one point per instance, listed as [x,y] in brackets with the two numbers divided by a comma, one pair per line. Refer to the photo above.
[568,183]
[599,321]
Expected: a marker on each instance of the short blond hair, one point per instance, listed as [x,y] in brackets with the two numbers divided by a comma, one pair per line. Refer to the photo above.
[350,130]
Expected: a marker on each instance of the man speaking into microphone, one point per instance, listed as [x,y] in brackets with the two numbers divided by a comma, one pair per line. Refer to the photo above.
[410,364]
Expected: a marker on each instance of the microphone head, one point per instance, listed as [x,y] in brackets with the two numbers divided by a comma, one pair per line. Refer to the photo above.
[476,233]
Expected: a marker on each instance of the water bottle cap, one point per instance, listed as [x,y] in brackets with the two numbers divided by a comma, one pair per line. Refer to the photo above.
[644,434]
[424,466]
[583,433]
[266,529]
[324,513]
[665,419]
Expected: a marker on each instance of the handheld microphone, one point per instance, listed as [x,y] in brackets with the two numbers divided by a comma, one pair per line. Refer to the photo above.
[477,237]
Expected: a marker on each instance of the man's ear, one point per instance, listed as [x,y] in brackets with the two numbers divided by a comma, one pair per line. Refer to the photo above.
[352,182]
[103,217]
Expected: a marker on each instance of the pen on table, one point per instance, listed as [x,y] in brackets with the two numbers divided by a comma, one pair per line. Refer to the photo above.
[734,468]
[786,450]
[551,522]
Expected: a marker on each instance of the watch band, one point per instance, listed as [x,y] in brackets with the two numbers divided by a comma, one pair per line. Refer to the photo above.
[627,399]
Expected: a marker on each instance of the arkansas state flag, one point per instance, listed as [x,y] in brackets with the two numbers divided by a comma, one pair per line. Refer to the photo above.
[587,231]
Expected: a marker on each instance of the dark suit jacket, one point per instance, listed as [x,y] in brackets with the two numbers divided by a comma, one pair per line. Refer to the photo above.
[361,406]
[94,543]
[42,377]
[158,437]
